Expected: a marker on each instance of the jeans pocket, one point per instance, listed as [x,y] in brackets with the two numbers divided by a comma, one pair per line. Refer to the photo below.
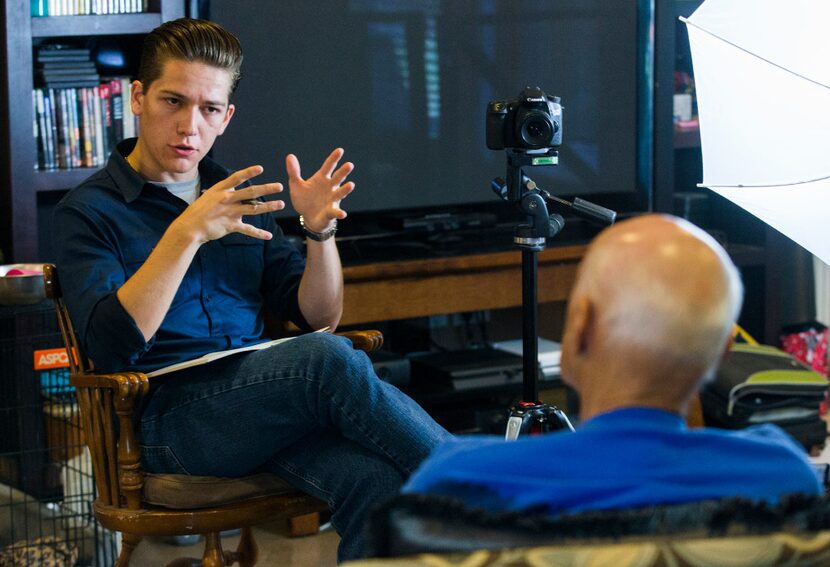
[161,459]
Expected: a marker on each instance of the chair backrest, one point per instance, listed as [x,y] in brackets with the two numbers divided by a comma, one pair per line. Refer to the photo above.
[103,399]
[78,362]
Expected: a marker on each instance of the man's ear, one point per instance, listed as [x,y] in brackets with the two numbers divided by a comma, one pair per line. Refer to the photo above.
[136,97]
[576,338]
[581,321]
[228,116]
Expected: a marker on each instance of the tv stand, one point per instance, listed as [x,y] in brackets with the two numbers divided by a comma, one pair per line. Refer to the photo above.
[391,290]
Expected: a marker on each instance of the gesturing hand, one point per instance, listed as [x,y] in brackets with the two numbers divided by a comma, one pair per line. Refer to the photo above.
[219,210]
[318,197]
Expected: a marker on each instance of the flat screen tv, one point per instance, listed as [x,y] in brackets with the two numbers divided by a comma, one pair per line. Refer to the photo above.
[403,86]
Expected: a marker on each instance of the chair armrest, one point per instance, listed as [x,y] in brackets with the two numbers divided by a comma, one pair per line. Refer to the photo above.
[127,384]
[113,445]
[368,341]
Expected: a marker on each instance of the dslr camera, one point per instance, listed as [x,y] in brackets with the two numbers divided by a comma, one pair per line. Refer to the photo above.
[531,122]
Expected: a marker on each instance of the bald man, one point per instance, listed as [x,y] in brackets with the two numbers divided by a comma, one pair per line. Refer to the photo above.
[648,320]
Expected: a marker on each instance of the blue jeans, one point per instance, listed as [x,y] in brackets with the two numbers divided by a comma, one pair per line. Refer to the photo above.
[310,410]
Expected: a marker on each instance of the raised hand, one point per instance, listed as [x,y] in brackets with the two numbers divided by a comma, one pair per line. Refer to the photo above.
[219,210]
[318,197]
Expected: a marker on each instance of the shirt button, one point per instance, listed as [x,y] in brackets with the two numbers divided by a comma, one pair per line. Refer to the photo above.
[207,299]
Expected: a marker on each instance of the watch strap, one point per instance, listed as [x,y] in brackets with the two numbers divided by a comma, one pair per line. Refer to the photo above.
[318,236]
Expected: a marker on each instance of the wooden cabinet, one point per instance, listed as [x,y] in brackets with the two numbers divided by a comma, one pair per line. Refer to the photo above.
[21,184]
[420,288]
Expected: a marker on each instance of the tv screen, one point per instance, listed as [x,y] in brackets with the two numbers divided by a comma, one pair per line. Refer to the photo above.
[403,86]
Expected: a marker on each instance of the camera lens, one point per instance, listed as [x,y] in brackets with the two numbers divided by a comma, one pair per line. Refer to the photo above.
[537,130]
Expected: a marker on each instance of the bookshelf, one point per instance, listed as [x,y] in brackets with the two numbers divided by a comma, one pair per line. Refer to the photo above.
[21,183]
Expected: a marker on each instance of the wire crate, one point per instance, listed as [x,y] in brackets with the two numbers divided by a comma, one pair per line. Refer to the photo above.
[46,480]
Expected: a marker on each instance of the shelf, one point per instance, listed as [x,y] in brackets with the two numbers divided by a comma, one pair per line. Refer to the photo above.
[60,179]
[25,191]
[686,137]
[120,24]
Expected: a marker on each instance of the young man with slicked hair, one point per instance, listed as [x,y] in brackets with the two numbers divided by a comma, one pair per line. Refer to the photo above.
[165,256]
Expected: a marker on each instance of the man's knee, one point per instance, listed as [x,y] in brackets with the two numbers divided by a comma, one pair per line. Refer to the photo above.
[334,356]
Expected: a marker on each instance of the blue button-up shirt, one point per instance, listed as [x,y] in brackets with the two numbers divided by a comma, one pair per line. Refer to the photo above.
[106,228]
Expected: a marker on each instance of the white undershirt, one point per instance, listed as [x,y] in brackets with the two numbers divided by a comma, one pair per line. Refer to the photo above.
[187,191]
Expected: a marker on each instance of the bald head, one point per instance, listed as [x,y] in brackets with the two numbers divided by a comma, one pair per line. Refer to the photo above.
[653,307]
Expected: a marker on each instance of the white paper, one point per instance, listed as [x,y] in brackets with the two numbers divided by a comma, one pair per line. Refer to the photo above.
[211,356]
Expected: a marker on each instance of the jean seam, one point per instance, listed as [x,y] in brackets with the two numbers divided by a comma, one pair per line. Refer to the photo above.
[307,479]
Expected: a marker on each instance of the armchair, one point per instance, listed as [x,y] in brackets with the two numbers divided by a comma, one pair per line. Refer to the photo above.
[429,530]
[137,503]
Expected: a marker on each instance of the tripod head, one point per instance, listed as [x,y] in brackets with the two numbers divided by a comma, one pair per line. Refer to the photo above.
[531,200]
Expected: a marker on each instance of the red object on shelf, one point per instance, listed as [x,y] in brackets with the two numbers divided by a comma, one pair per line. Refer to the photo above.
[686,125]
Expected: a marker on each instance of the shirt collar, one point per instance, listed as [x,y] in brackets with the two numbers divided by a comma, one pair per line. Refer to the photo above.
[130,184]
[637,416]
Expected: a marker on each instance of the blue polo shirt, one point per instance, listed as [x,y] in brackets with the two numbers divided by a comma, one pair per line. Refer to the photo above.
[626,458]
[104,231]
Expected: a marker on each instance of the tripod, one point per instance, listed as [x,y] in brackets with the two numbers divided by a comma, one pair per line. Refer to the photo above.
[531,416]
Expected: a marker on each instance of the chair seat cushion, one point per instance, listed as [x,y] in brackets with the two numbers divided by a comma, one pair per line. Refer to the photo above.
[190,492]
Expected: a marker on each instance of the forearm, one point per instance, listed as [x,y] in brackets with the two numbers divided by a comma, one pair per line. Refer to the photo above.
[320,295]
[148,294]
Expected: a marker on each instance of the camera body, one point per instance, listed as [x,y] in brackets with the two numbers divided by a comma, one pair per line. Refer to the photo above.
[531,122]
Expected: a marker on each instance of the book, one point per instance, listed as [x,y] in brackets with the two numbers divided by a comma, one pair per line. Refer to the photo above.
[106,116]
[38,8]
[51,126]
[129,129]
[100,149]
[39,139]
[64,157]
[87,154]
[70,83]
[211,356]
[62,52]
[74,126]
[117,98]
[67,74]
[66,65]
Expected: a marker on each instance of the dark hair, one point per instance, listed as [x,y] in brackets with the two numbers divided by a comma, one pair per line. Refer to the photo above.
[190,40]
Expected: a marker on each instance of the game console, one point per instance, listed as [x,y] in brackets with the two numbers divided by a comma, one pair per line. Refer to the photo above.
[466,370]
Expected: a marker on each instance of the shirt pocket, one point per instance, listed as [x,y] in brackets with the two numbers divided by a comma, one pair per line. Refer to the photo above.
[243,255]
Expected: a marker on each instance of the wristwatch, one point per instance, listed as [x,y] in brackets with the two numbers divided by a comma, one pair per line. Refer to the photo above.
[318,236]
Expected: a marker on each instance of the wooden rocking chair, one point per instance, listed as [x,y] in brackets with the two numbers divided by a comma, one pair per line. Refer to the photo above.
[136,503]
